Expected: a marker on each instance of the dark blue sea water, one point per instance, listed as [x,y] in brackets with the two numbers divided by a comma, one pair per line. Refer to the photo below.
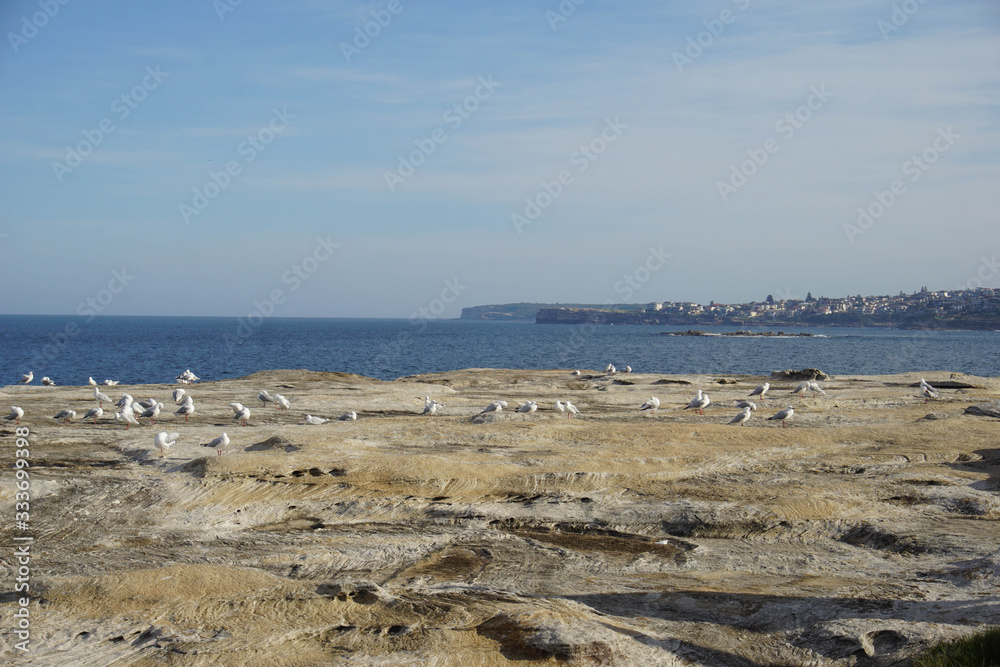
[155,349]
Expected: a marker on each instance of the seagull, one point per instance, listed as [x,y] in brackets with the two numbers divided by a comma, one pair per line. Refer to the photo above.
[760,390]
[431,406]
[610,369]
[110,383]
[236,407]
[348,416]
[187,377]
[27,377]
[128,415]
[652,404]
[187,410]
[699,402]
[164,440]
[243,415]
[100,397]
[571,410]
[219,443]
[528,407]
[47,382]
[187,400]
[265,397]
[96,413]
[126,399]
[783,415]
[15,414]
[815,388]
[747,404]
[148,403]
[575,373]
[495,406]
[801,389]
[152,412]
[281,402]
[927,391]
[742,418]
[92,382]
[65,415]
[315,421]
[628,369]
[561,407]
[177,394]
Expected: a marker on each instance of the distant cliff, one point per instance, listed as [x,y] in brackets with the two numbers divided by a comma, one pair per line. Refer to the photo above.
[526,312]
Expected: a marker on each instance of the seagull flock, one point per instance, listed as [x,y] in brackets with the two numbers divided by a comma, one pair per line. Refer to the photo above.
[130,411]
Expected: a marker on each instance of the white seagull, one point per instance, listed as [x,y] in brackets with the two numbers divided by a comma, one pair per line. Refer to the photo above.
[747,404]
[236,407]
[47,382]
[628,369]
[742,418]
[219,443]
[431,406]
[92,382]
[66,415]
[242,416]
[801,389]
[152,412]
[575,373]
[177,395]
[571,409]
[761,390]
[128,415]
[100,397]
[27,377]
[265,397]
[164,440]
[96,413]
[15,414]
[652,404]
[281,402]
[783,415]
[699,402]
[126,399]
[528,407]
[815,388]
[348,416]
[927,391]
[110,383]
[495,406]
[186,409]
[315,421]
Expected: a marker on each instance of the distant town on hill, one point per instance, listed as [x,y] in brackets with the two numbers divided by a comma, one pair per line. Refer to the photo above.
[945,309]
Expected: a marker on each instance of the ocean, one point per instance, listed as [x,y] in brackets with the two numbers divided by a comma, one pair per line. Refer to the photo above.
[139,350]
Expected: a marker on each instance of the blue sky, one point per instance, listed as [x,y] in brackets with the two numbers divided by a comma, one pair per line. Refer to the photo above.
[670,132]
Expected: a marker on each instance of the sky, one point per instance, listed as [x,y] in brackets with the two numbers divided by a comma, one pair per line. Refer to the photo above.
[372,159]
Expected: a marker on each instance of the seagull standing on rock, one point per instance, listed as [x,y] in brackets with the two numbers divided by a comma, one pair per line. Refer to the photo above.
[66,415]
[186,409]
[747,404]
[495,406]
[177,395]
[348,416]
[152,412]
[219,443]
[242,416]
[96,413]
[652,404]
[927,391]
[27,377]
[761,390]
[783,415]
[100,397]
[164,441]
[15,414]
[265,397]
[281,402]
[48,382]
[699,402]
[742,418]
[528,407]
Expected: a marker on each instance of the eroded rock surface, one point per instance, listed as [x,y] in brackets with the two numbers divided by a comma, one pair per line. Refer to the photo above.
[858,535]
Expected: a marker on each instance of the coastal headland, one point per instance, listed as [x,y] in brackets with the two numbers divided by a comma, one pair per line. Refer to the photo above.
[860,533]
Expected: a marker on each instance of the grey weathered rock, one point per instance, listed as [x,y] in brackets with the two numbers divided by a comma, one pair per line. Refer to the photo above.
[804,374]
[991,409]
[936,415]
